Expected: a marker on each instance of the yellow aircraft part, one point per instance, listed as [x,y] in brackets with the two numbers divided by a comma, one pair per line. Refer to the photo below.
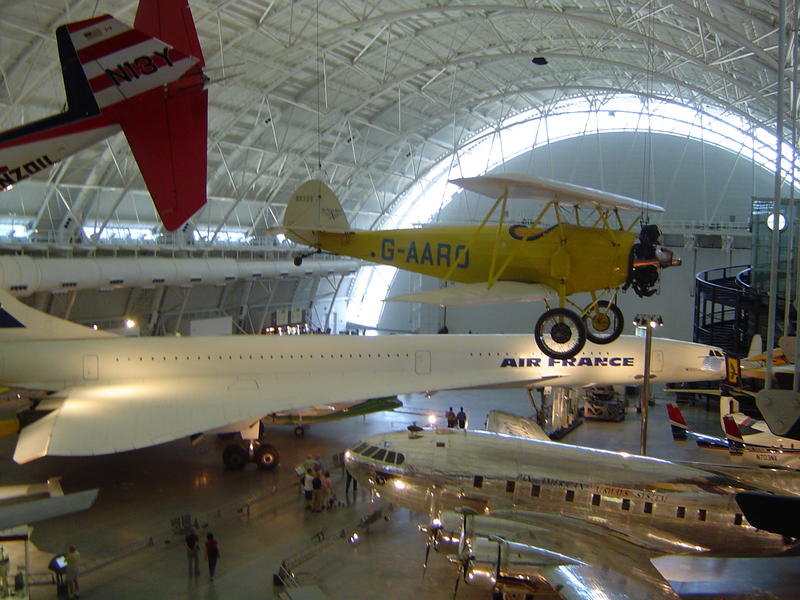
[8,427]
[581,259]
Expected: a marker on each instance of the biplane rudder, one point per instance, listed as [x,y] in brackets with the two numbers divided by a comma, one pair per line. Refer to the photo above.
[312,209]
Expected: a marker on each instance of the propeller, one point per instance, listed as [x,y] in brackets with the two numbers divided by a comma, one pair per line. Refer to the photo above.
[463,557]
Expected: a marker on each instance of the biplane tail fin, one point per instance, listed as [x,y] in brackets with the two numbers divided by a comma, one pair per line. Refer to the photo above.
[312,209]
[146,80]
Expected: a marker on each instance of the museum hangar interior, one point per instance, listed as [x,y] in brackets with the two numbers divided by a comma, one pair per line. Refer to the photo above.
[675,104]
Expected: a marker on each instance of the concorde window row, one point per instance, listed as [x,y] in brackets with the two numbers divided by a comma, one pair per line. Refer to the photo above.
[596,499]
[187,357]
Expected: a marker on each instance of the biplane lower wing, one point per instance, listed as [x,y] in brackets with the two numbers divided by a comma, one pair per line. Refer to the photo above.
[475,294]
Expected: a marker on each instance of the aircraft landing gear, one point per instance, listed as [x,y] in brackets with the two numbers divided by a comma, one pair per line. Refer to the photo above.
[299,431]
[603,322]
[560,333]
[236,456]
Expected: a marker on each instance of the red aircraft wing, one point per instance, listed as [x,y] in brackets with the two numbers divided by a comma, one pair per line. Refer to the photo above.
[168,139]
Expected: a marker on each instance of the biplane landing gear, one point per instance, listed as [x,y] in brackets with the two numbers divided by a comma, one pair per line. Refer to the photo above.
[560,333]
[603,322]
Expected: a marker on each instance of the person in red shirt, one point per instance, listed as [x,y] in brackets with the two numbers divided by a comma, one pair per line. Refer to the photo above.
[212,554]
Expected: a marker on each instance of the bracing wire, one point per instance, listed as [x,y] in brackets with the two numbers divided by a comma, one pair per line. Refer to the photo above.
[319,102]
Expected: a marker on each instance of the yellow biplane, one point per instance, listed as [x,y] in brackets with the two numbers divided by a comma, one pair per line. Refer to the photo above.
[509,262]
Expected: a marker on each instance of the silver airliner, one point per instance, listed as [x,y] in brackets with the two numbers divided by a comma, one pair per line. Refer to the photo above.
[526,513]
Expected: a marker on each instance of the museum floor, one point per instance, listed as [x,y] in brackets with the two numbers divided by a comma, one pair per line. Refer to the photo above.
[129,551]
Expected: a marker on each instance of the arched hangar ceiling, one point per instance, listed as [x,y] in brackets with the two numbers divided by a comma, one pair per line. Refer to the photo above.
[378,92]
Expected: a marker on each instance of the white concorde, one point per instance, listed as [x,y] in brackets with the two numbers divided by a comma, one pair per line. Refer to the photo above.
[109,394]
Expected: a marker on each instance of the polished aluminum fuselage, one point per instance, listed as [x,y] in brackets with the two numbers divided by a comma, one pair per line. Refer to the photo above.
[665,507]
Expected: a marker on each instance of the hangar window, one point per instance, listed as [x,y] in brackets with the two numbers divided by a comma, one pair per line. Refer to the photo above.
[570,496]
[701,514]
[626,504]
[379,455]
[595,499]
[510,486]
[536,490]
[391,456]
[737,519]
[648,508]
[681,513]
[478,481]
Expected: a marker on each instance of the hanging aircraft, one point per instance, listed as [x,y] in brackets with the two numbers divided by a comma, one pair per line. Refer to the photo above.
[148,81]
[522,513]
[95,392]
[517,262]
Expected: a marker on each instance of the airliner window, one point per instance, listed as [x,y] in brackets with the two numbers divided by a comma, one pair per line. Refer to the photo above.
[648,508]
[737,520]
[400,458]
[359,448]
[478,481]
[379,454]
[370,451]
[701,514]
[626,504]
[595,499]
[681,513]
[510,486]
[391,456]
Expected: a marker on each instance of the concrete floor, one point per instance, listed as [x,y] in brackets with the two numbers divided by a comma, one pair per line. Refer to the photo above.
[129,551]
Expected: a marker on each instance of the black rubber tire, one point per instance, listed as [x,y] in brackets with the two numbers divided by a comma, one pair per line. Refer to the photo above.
[614,324]
[266,457]
[299,431]
[298,261]
[235,457]
[560,333]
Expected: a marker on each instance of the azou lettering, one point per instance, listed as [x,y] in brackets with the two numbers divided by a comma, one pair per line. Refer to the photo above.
[9,177]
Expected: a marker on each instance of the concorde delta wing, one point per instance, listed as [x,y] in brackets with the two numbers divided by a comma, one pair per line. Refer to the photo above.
[578,559]
[126,415]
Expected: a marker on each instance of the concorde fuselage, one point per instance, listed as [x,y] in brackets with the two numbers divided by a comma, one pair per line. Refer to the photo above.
[477,359]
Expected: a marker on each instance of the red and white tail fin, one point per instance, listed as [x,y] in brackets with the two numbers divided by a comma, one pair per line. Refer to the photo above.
[732,431]
[147,80]
[677,422]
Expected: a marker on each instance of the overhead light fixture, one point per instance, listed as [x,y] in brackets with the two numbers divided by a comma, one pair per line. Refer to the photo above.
[539,60]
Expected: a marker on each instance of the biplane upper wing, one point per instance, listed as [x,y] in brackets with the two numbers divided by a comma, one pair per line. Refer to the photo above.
[539,188]
[474,294]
